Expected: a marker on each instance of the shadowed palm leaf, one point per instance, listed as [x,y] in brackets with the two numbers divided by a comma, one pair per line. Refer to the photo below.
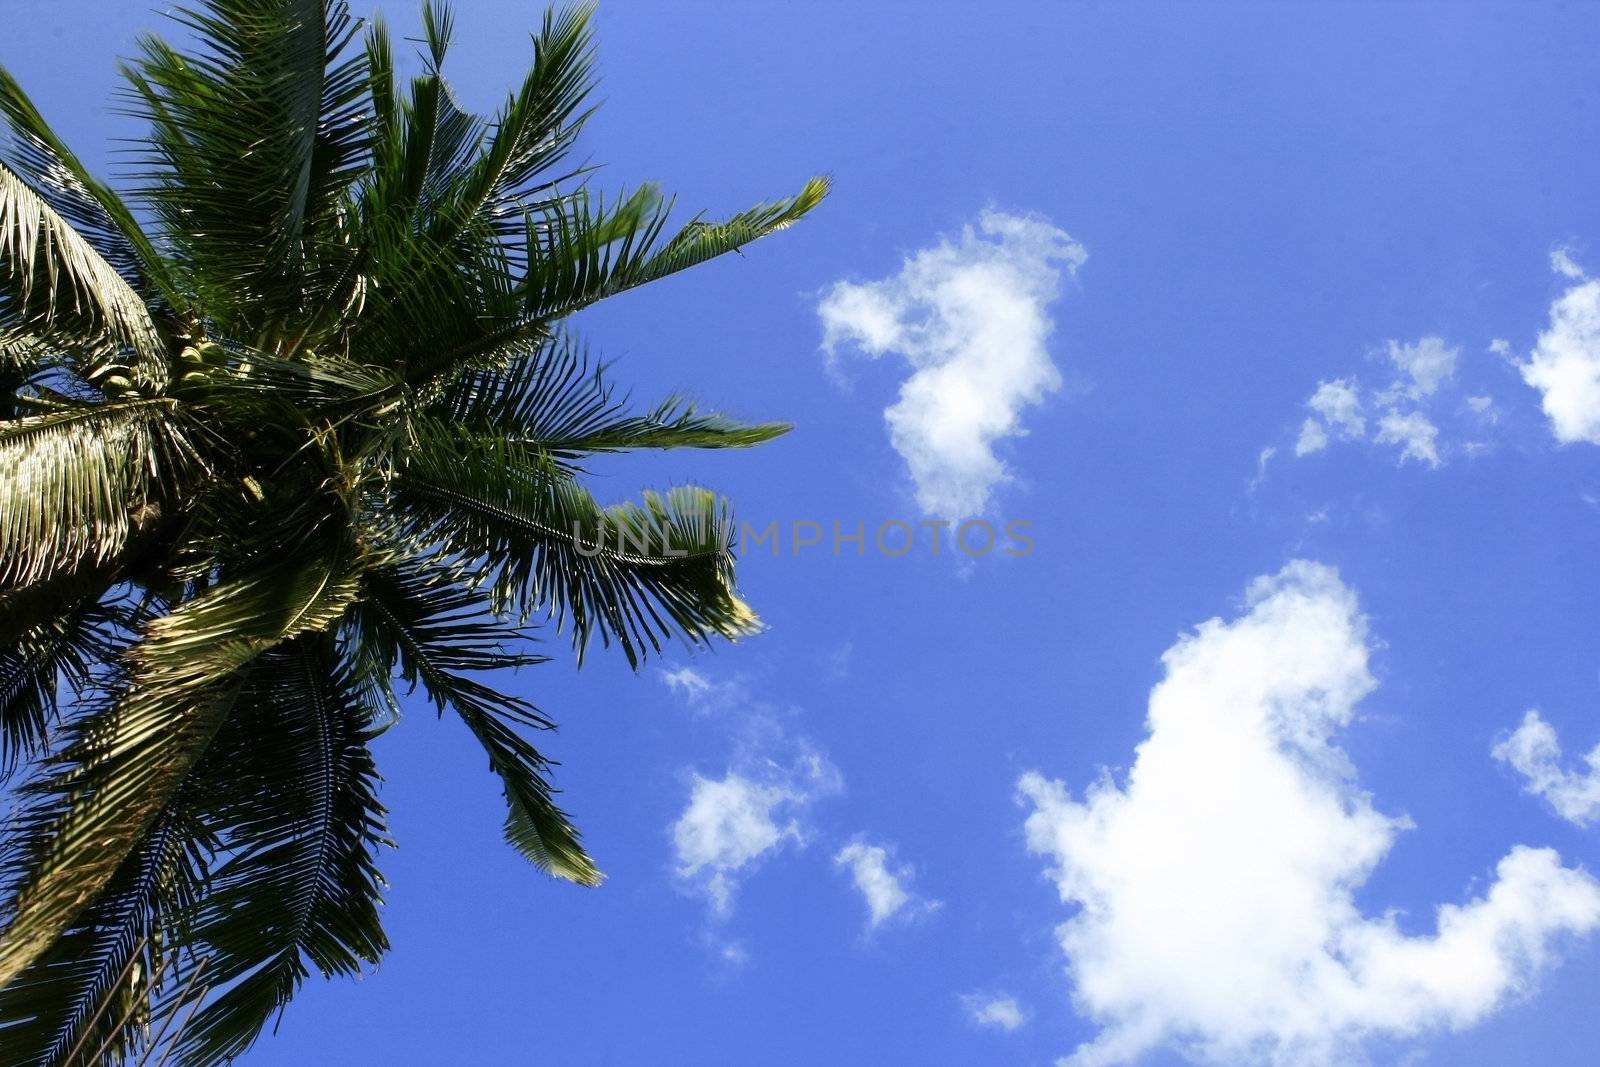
[294,430]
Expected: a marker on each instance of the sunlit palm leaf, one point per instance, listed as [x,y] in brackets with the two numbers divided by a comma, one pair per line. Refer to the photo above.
[60,287]
[90,993]
[73,484]
[92,207]
[123,763]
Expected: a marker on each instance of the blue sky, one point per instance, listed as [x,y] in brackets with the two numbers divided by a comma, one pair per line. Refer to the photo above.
[1382,220]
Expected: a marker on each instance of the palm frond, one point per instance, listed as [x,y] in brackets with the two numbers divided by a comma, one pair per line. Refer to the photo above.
[556,400]
[533,132]
[586,255]
[423,620]
[257,139]
[66,649]
[299,823]
[535,826]
[59,287]
[74,484]
[121,764]
[91,207]
[88,999]
[635,573]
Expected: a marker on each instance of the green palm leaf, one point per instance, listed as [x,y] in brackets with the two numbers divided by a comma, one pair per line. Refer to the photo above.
[256,142]
[90,992]
[635,573]
[554,399]
[427,623]
[588,254]
[65,648]
[294,807]
[52,170]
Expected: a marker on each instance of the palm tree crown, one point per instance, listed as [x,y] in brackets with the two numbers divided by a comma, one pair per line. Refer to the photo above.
[297,433]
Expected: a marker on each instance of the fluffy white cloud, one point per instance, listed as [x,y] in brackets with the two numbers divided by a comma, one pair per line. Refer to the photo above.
[884,889]
[729,824]
[970,317]
[1565,365]
[1215,887]
[1534,751]
[999,1011]
[733,822]
[1339,403]
[1428,364]
[1414,432]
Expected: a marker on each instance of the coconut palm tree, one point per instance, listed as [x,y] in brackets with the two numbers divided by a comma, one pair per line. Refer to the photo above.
[290,433]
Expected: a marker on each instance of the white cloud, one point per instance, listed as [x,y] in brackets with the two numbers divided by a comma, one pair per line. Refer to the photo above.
[1413,430]
[729,824]
[971,319]
[1534,751]
[997,1010]
[1428,363]
[1313,438]
[1215,888]
[884,889]
[1263,458]
[1565,365]
[732,823]
[687,681]
[1562,263]
[1340,406]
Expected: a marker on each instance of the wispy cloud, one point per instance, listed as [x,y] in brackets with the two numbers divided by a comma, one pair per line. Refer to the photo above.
[687,681]
[1425,365]
[971,319]
[1215,887]
[995,1010]
[1534,751]
[1340,407]
[1416,435]
[1337,405]
[1563,263]
[885,888]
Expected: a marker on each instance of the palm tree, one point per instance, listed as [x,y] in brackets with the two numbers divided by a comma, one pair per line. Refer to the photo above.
[290,433]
